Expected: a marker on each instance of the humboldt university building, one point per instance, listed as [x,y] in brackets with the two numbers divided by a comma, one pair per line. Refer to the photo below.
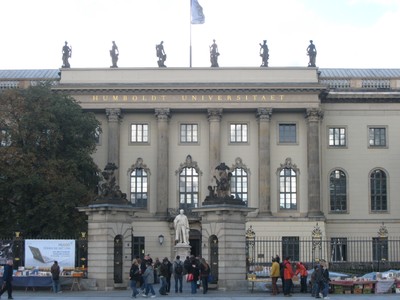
[312,153]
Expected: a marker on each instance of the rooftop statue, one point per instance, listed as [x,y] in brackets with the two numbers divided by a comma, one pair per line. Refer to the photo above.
[214,55]
[66,54]
[264,53]
[312,53]
[162,57]
[114,53]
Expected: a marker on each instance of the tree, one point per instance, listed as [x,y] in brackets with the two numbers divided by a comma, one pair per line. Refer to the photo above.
[46,168]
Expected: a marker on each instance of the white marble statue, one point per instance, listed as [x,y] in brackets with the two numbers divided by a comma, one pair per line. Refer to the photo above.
[181,225]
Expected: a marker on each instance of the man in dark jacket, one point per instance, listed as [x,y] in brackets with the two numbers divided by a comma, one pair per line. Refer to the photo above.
[7,279]
[55,277]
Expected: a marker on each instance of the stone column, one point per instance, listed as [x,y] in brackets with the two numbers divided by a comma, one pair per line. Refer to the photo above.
[214,150]
[264,157]
[114,116]
[162,115]
[313,117]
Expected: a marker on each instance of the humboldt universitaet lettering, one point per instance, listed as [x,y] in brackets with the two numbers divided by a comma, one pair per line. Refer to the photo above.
[187,98]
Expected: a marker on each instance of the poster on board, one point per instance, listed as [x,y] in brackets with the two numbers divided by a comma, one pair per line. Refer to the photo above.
[43,253]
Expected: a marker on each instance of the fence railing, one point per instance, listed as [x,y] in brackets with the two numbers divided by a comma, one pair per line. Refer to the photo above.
[349,255]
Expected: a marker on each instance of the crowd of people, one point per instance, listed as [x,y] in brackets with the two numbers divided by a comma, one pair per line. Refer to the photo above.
[145,272]
[284,271]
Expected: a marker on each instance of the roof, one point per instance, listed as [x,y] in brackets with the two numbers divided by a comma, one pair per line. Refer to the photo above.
[360,73]
[34,74]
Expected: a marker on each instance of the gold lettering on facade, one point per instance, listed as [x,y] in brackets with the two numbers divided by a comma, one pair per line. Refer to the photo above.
[105,98]
[194,98]
[210,97]
[95,98]
[273,97]
[124,98]
[229,98]
[219,98]
[115,97]
[184,98]
[134,98]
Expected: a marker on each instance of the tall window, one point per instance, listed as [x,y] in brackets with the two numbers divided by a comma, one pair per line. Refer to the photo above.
[139,188]
[189,133]
[238,133]
[338,191]
[138,243]
[239,184]
[377,136]
[380,249]
[338,249]
[337,137]
[288,189]
[139,133]
[378,185]
[287,133]
[291,247]
[188,188]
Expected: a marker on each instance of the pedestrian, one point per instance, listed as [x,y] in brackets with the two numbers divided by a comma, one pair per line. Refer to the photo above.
[194,271]
[135,277]
[317,281]
[325,279]
[163,276]
[149,280]
[169,274]
[156,266]
[55,277]
[302,271]
[177,270]
[7,279]
[204,273]
[274,274]
[288,275]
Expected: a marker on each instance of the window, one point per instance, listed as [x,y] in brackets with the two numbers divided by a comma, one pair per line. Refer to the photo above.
[338,191]
[188,188]
[139,188]
[380,248]
[138,243]
[378,185]
[5,138]
[337,137]
[238,133]
[139,133]
[239,184]
[288,189]
[189,133]
[377,137]
[291,247]
[287,133]
[338,249]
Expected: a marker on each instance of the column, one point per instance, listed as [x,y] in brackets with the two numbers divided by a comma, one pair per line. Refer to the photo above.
[214,150]
[313,117]
[264,157]
[162,115]
[114,116]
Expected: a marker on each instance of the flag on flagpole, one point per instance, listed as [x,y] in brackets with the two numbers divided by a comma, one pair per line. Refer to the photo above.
[197,13]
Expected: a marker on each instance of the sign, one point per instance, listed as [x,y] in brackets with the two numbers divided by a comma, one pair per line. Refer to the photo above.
[43,253]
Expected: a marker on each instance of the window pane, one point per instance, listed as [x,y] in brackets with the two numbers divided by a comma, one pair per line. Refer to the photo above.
[287,133]
[138,180]
[238,133]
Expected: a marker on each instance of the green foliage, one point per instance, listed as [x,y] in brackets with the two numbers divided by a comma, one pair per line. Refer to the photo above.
[46,169]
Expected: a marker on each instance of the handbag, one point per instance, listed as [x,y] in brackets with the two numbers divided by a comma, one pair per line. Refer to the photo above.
[189,277]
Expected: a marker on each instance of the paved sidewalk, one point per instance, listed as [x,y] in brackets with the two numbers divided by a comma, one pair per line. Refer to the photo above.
[212,294]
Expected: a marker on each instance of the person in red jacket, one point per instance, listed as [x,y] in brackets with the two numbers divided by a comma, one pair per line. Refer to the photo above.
[287,275]
[302,271]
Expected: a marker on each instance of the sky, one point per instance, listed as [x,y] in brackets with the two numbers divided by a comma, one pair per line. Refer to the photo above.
[346,33]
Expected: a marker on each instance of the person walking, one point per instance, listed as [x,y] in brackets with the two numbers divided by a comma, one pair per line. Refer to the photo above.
[325,279]
[288,275]
[7,279]
[55,277]
[149,280]
[177,270]
[194,270]
[204,273]
[275,274]
[135,277]
[163,276]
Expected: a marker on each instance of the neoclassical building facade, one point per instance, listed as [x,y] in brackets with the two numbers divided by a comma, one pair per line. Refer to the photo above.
[306,147]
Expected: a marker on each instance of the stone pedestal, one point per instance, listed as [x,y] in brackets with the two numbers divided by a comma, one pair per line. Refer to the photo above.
[109,225]
[225,226]
[182,250]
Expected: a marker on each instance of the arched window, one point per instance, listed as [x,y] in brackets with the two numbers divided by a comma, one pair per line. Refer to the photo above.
[378,186]
[288,185]
[338,191]
[240,181]
[188,184]
[139,184]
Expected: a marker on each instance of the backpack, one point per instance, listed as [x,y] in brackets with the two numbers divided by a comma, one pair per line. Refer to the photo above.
[178,268]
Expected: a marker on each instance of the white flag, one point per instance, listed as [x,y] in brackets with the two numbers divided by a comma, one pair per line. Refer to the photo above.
[197,13]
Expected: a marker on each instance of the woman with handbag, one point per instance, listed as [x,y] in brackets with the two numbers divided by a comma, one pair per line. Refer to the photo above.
[193,275]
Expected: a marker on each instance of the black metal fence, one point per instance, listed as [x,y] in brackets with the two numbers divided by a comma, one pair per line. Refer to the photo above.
[348,255]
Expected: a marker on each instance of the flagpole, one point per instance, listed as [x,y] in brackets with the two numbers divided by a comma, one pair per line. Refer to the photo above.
[190,34]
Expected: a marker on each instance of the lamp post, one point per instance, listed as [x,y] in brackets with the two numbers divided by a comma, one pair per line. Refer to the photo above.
[161,239]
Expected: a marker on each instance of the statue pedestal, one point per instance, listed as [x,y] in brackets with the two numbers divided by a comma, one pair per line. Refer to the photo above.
[182,250]
[223,235]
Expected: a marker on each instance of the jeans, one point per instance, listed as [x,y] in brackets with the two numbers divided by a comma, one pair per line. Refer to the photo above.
[287,288]
[134,289]
[303,284]
[193,285]
[163,283]
[149,288]
[178,281]
[56,285]
[8,287]
[204,283]
[325,289]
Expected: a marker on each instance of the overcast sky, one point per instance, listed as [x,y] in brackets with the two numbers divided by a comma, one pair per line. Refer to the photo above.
[347,33]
